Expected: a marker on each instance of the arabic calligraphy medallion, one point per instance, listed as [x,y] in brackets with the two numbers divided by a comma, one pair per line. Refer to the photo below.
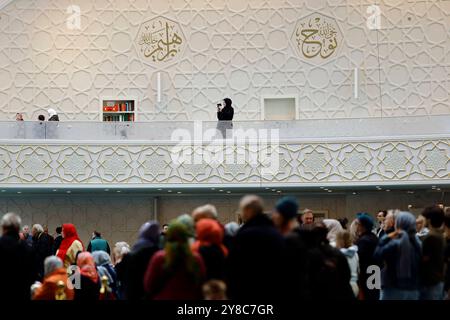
[160,40]
[317,37]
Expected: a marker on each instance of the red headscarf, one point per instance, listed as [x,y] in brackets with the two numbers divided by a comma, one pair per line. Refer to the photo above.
[209,232]
[70,235]
[86,263]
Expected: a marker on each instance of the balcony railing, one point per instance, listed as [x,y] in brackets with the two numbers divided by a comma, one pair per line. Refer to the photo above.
[351,152]
[370,128]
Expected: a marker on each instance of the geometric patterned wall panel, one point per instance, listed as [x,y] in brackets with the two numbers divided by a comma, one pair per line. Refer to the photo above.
[240,49]
[348,163]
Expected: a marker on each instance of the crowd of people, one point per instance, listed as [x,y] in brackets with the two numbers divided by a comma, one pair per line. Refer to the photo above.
[284,255]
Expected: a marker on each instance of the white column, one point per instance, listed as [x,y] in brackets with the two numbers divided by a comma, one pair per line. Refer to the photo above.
[158,86]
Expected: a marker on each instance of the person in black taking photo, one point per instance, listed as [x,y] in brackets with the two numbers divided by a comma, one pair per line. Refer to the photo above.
[225,111]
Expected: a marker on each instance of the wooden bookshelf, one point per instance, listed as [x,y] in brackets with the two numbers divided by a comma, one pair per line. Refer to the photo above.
[118,110]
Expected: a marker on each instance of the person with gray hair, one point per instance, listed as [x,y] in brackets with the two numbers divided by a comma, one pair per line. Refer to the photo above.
[206,211]
[11,223]
[389,222]
[401,252]
[51,264]
[121,261]
[54,275]
[42,246]
[307,217]
[27,235]
[18,266]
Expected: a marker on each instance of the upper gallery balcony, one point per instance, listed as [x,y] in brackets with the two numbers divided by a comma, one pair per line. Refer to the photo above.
[310,153]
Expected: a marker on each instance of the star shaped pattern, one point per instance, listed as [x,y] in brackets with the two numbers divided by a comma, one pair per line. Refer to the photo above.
[243,48]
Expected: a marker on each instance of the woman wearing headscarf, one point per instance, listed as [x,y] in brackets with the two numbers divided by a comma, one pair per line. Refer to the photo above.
[333,226]
[52,115]
[367,243]
[105,268]
[54,272]
[231,230]
[175,273]
[89,288]
[401,252]
[209,245]
[189,223]
[70,245]
[139,258]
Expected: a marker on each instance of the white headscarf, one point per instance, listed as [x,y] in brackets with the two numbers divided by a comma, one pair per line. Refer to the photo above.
[333,227]
[51,112]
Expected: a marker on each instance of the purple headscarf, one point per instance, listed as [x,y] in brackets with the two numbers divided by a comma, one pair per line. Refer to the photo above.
[148,235]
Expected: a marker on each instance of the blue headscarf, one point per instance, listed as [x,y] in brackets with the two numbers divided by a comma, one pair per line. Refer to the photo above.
[366,220]
[405,223]
[287,207]
[105,268]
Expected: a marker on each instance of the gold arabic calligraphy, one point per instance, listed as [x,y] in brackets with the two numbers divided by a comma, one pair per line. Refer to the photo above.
[160,40]
[317,37]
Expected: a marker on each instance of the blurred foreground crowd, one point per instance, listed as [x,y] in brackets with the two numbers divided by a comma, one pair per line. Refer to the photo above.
[264,257]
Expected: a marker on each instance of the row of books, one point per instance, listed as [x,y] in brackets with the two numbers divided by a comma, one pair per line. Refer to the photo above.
[119,107]
[119,117]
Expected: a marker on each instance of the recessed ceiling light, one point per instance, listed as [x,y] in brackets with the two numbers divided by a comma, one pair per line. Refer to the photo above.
[354,193]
